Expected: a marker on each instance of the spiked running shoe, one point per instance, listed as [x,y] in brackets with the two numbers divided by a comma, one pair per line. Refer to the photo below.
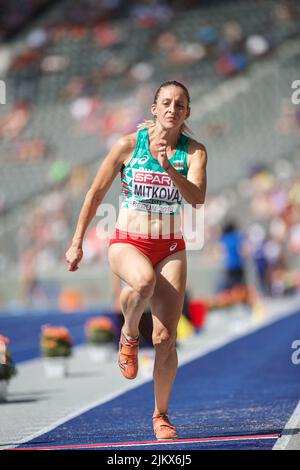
[128,356]
[162,427]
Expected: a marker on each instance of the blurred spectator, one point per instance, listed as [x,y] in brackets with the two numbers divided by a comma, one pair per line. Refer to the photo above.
[76,87]
[186,53]
[54,64]
[95,245]
[208,35]
[37,38]
[257,237]
[166,40]
[257,45]
[31,292]
[5,60]
[115,65]
[278,199]
[232,242]
[26,150]
[25,71]
[231,64]
[15,121]
[294,239]
[149,16]
[85,107]
[65,30]
[141,71]
[232,36]
[106,36]
[78,181]
[289,120]
[284,11]
[58,172]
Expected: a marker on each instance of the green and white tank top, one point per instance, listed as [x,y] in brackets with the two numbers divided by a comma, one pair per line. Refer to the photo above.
[146,186]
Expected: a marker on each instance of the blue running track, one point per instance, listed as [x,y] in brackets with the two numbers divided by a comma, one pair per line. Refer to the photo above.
[247,387]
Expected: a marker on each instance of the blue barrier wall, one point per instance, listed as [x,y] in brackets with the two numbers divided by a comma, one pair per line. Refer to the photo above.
[23,329]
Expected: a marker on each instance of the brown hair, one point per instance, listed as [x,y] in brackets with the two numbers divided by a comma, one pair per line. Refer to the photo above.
[150,122]
[172,83]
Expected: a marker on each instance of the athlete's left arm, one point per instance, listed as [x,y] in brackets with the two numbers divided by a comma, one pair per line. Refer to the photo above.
[192,188]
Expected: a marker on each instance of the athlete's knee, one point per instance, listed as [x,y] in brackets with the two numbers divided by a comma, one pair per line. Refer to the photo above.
[164,341]
[146,284]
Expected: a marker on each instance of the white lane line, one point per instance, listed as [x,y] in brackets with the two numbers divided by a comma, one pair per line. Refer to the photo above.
[287,433]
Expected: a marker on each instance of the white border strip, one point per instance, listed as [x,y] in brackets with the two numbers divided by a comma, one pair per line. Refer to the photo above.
[293,423]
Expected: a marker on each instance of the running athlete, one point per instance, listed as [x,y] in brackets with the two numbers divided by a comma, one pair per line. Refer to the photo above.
[159,165]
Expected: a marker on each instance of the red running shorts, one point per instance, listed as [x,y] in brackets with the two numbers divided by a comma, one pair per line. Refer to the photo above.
[155,248]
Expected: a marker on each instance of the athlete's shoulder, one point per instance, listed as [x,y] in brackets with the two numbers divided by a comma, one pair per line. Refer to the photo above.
[197,154]
[127,142]
[122,148]
[195,146]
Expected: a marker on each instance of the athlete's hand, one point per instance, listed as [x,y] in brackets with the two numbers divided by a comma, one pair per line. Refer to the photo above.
[73,257]
[162,154]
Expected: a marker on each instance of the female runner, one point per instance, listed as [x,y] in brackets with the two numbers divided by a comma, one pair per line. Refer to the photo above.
[159,165]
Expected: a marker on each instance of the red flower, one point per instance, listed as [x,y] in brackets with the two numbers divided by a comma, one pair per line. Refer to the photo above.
[4,340]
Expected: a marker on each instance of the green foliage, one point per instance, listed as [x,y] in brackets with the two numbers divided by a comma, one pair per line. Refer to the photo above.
[7,370]
[100,336]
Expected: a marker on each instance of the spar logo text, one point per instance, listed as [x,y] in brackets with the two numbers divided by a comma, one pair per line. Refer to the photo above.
[154,185]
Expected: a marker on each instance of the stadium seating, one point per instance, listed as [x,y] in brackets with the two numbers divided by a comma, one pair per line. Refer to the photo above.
[50,117]
[96,93]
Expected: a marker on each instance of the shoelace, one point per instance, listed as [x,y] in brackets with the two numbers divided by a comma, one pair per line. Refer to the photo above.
[130,360]
[131,343]
[165,421]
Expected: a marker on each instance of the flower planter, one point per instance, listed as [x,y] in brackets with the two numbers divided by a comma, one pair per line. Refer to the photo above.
[56,367]
[100,352]
[56,348]
[7,366]
[3,390]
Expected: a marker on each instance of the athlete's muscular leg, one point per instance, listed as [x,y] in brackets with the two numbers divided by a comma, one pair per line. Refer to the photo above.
[166,305]
[136,270]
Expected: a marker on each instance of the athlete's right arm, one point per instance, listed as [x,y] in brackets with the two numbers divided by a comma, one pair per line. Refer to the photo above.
[107,172]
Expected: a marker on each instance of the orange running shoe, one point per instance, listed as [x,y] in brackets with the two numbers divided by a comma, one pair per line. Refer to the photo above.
[128,356]
[162,427]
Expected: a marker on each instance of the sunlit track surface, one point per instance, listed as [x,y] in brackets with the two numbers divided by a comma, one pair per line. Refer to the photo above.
[249,387]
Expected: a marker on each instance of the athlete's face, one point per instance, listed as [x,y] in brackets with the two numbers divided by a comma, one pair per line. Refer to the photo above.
[171,108]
